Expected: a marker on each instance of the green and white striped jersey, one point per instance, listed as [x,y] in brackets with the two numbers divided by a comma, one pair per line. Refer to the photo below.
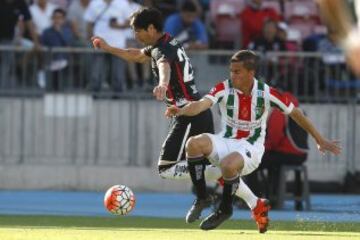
[244,117]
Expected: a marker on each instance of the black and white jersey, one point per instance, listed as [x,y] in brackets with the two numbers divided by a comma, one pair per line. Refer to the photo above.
[182,87]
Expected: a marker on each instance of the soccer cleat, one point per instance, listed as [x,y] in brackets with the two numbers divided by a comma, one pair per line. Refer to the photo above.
[195,211]
[260,214]
[214,220]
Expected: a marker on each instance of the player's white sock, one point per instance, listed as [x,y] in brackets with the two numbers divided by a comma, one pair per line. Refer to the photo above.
[246,194]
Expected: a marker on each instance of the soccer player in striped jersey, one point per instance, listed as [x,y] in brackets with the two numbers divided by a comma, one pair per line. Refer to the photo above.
[237,150]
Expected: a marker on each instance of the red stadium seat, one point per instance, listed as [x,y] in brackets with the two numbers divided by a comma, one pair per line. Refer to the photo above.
[227,28]
[272,4]
[225,16]
[301,9]
[226,7]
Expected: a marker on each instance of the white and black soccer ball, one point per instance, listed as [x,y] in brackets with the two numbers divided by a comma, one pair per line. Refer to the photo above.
[119,200]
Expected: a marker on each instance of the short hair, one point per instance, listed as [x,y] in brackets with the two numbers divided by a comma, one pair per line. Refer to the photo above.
[188,6]
[249,59]
[144,17]
[59,10]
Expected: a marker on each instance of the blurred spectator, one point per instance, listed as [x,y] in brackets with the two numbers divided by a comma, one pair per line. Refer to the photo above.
[205,4]
[253,18]
[139,74]
[310,43]
[109,20]
[187,28]
[11,13]
[285,144]
[282,34]
[269,41]
[58,35]
[332,53]
[166,7]
[41,11]
[76,17]
[335,74]
[197,4]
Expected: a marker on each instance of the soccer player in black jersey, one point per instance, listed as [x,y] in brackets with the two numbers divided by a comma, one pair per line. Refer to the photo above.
[176,86]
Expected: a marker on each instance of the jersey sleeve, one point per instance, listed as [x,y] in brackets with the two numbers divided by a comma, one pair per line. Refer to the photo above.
[281,101]
[217,93]
[163,53]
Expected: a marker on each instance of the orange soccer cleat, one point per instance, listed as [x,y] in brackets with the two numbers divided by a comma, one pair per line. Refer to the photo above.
[260,214]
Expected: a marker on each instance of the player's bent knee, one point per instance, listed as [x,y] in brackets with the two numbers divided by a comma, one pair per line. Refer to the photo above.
[231,166]
[192,142]
[227,166]
[197,143]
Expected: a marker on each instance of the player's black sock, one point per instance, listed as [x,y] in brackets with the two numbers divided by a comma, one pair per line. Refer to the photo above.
[196,167]
[230,187]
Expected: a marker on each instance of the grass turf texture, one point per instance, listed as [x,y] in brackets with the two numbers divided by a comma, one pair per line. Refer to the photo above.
[94,228]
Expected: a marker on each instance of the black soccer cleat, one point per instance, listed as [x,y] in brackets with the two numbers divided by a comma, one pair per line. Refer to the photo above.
[195,211]
[214,220]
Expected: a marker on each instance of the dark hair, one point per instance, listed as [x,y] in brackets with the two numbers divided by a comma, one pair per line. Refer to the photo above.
[249,59]
[59,10]
[188,6]
[144,17]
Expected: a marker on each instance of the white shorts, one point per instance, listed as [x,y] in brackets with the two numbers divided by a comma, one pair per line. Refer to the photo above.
[224,146]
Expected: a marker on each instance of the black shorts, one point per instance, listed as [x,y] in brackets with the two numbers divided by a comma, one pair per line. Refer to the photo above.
[173,148]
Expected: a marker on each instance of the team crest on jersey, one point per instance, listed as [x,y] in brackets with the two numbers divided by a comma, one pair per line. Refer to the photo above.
[260,93]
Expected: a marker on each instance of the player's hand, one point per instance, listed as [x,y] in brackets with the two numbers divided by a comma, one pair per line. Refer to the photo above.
[172,111]
[160,92]
[99,43]
[329,146]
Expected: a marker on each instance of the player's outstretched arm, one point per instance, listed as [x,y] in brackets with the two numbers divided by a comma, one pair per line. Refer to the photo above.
[324,145]
[130,54]
[191,109]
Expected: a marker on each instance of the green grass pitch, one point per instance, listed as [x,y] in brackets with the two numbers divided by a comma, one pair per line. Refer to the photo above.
[137,228]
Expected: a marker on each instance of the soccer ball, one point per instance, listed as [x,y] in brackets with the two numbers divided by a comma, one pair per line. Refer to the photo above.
[119,200]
